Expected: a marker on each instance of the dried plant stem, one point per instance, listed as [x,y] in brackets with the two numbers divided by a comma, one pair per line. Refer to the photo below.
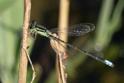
[56,45]
[61,52]
[60,68]
[33,69]
[23,56]
[63,19]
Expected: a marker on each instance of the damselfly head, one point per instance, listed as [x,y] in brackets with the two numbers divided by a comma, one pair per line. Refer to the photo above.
[33,24]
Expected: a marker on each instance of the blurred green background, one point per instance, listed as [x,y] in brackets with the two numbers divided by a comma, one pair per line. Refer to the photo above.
[106,40]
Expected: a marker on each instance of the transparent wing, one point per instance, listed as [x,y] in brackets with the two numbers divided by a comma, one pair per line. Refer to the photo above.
[77,30]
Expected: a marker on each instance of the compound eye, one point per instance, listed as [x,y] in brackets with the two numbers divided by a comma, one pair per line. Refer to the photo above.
[33,24]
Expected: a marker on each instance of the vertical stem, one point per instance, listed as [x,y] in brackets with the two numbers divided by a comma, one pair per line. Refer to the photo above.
[63,18]
[63,24]
[23,57]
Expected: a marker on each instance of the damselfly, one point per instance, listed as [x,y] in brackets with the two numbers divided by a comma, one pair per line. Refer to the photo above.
[76,30]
